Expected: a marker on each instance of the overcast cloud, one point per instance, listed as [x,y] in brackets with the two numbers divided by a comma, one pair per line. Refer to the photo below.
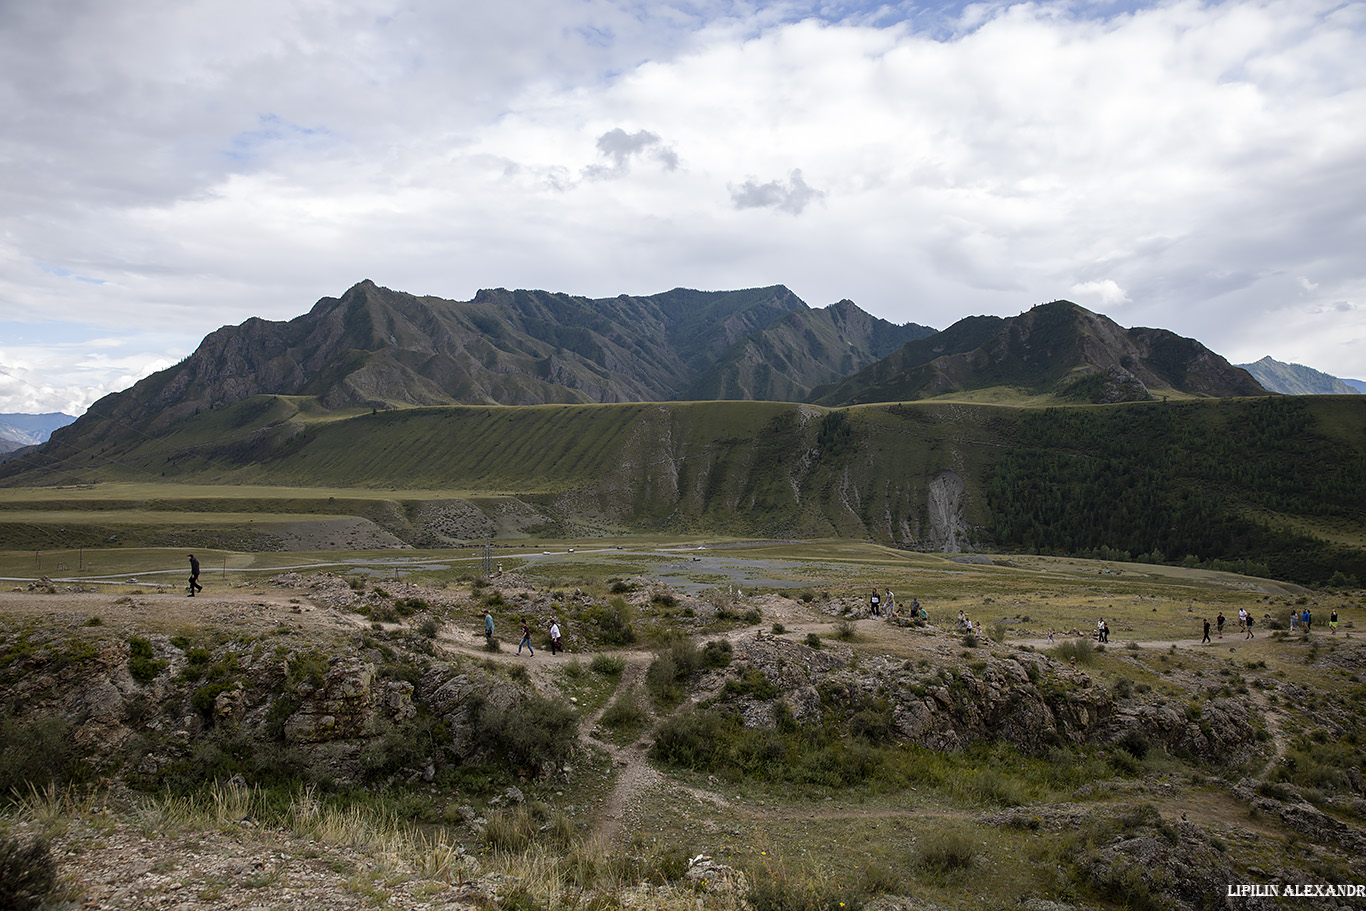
[169,168]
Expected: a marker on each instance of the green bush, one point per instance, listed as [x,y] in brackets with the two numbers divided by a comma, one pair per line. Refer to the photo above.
[608,624]
[751,682]
[527,734]
[626,714]
[813,641]
[716,654]
[1083,651]
[38,753]
[690,739]
[608,665]
[28,874]
[142,663]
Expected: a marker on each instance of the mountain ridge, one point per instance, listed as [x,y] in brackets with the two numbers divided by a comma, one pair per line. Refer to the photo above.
[1297,379]
[1057,349]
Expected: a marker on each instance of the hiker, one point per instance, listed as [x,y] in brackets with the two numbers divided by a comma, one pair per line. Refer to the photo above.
[488,628]
[1308,620]
[1294,620]
[874,603]
[1249,627]
[555,636]
[1206,637]
[194,576]
[1219,622]
[890,603]
[1333,622]
[526,640]
[1050,637]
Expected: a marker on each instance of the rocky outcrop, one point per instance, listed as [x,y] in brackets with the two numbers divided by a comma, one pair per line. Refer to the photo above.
[1025,699]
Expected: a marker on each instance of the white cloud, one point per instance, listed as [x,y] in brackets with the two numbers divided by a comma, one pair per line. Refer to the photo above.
[173,169]
[1101,296]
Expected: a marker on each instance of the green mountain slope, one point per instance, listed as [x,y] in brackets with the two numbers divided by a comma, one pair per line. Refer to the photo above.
[1268,485]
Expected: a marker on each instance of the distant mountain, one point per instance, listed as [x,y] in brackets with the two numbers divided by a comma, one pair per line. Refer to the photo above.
[1057,350]
[378,348]
[18,430]
[1358,385]
[1296,379]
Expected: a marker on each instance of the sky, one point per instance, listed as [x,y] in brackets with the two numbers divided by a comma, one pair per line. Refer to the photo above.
[168,167]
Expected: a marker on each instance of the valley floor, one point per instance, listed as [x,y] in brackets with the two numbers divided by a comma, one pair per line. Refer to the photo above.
[1152,831]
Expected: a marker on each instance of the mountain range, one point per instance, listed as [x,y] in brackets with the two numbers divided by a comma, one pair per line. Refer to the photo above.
[375,348]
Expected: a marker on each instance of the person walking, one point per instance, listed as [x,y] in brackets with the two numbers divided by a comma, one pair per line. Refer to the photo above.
[890,603]
[488,628]
[1248,622]
[1333,622]
[1308,620]
[194,576]
[526,640]
[1206,638]
[555,636]
[1219,624]
[875,603]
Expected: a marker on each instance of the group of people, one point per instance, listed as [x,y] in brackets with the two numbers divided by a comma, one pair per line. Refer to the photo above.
[965,624]
[1299,620]
[885,605]
[556,644]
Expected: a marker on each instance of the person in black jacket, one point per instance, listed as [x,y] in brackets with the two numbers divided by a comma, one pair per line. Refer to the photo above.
[194,576]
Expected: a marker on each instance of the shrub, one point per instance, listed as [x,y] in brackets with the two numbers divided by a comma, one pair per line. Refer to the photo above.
[38,753]
[610,624]
[779,629]
[844,630]
[813,641]
[1080,650]
[753,616]
[943,853]
[28,875]
[716,654]
[690,739]
[528,734]
[671,669]
[307,668]
[142,663]
[626,714]
[608,665]
[751,682]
